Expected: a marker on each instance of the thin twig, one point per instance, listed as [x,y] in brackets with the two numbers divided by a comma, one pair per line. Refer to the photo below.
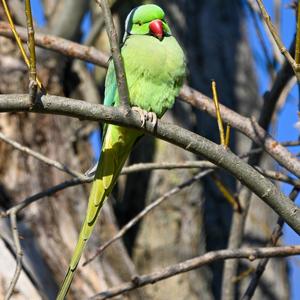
[203,164]
[219,118]
[276,37]
[95,30]
[63,185]
[141,167]
[145,211]
[279,176]
[60,45]
[19,255]
[116,54]
[277,55]
[276,234]
[262,41]
[197,262]
[32,57]
[297,50]
[291,143]
[45,193]
[40,156]
[227,136]
[227,194]
[18,39]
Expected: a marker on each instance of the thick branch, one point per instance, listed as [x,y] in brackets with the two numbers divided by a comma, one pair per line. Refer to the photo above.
[261,186]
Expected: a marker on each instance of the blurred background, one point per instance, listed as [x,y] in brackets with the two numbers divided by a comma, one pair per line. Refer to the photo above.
[223,40]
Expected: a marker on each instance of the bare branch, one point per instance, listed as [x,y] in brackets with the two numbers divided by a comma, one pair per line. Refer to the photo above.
[31,46]
[279,176]
[116,54]
[40,156]
[238,221]
[276,52]
[247,126]
[141,167]
[183,138]
[63,46]
[276,37]
[297,51]
[198,262]
[276,234]
[19,255]
[61,186]
[14,34]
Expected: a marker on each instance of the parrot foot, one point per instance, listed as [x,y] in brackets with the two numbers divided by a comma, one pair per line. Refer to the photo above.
[146,116]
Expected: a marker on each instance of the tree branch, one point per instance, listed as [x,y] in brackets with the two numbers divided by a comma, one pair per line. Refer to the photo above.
[116,54]
[197,262]
[183,138]
[276,37]
[276,234]
[19,255]
[32,56]
[39,156]
[247,126]
[63,46]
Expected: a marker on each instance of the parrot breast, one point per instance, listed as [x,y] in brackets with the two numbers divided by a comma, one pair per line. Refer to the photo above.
[154,70]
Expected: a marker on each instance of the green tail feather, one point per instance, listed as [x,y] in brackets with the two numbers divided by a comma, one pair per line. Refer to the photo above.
[116,147]
[83,237]
[66,285]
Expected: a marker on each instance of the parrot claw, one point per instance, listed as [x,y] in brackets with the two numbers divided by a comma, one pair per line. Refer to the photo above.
[146,116]
[152,117]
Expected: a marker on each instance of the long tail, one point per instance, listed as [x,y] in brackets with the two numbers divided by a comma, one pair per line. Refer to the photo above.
[116,147]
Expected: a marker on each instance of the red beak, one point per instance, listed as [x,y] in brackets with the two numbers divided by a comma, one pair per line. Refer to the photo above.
[156,28]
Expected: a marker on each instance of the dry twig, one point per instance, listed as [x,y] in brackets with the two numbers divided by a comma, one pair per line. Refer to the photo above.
[19,254]
[40,156]
[15,34]
[276,37]
[116,55]
[32,58]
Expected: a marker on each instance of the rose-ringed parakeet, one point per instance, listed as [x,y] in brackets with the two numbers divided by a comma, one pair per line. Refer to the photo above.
[155,68]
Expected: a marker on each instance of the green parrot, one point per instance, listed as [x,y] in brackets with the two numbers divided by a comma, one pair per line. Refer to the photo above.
[155,69]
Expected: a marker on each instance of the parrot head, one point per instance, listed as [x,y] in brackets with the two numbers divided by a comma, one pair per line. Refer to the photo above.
[148,19]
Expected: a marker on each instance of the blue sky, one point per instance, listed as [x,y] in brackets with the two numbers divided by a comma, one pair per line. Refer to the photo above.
[285,129]
[287,117]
